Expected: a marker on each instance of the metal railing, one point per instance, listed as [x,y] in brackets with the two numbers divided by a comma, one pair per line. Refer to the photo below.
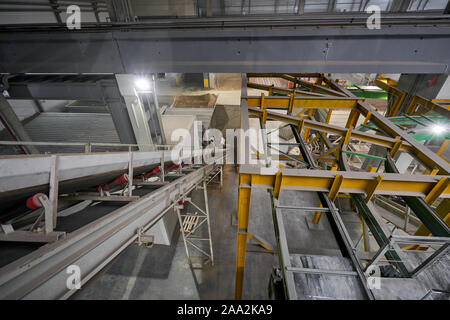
[87,145]
[443,244]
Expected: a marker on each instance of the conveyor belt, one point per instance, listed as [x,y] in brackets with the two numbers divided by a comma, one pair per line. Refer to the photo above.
[95,234]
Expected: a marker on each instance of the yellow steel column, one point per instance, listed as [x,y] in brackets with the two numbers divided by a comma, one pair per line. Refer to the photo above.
[330,112]
[318,214]
[365,242]
[443,148]
[307,130]
[243,218]
[335,186]
[352,118]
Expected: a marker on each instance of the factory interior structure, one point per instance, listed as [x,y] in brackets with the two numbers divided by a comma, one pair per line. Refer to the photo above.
[225,149]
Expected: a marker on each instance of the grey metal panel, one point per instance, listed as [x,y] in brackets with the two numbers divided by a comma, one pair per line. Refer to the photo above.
[436,276]
[73,127]
[396,49]
[56,91]
[66,52]
[324,286]
[64,127]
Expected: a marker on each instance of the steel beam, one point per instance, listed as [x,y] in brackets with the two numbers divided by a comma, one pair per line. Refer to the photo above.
[306,102]
[352,182]
[244,198]
[379,233]
[192,45]
[328,128]
[272,89]
[417,101]
[56,90]
[429,217]
[398,94]
[13,124]
[419,151]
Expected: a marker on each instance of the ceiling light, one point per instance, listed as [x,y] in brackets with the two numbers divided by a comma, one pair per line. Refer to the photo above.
[438,129]
[142,83]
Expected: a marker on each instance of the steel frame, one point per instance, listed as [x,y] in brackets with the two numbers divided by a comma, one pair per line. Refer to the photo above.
[331,182]
[189,234]
[42,273]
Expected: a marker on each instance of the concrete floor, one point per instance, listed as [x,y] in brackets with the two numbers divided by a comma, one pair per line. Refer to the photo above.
[137,272]
[163,272]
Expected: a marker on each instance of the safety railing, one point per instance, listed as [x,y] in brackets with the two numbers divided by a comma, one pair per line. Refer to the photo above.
[441,245]
[88,146]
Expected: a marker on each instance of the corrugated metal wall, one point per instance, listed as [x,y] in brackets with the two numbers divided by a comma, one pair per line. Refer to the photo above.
[65,127]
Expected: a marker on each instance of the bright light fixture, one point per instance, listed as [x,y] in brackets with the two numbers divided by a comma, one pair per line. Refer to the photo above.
[142,83]
[438,129]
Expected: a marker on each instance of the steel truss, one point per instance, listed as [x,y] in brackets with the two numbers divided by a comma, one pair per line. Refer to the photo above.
[362,186]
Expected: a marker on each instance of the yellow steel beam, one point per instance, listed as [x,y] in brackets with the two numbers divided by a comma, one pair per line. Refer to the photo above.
[442,148]
[323,127]
[335,186]
[304,102]
[373,188]
[262,243]
[367,118]
[347,136]
[313,139]
[352,118]
[389,81]
[312,87]
[337,87]
[243,218]
[291,103]
[399,96]
[437,190]
[330,112]
[415,148]
[352,182]
[428,105]
[281,157]
[300,126]
[334,150]
[365,240]
[307,130]
[271,89]
[279,75]
[396,146]
[318,214]
[277,184]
